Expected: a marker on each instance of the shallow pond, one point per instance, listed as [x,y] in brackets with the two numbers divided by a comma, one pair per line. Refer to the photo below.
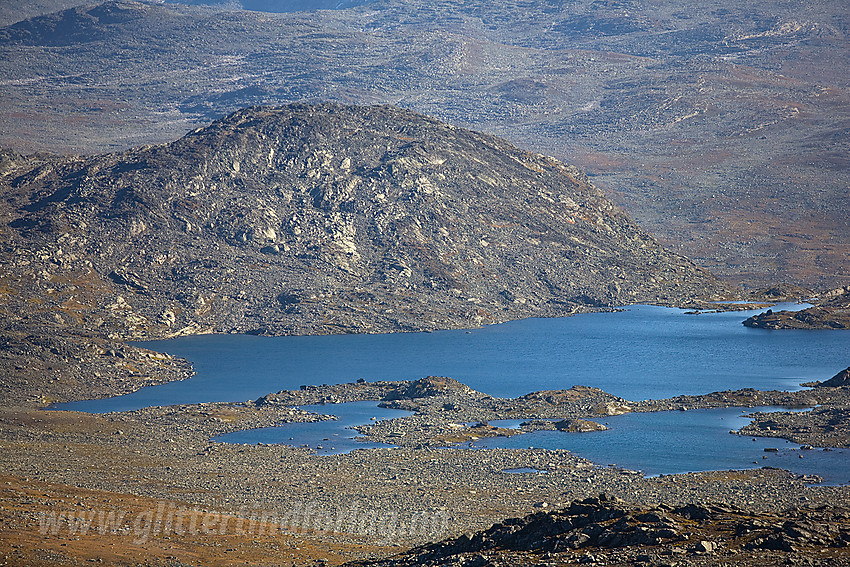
[675,442]
[328,437]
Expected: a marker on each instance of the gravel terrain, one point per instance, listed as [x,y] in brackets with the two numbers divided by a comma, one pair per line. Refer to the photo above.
[429,491]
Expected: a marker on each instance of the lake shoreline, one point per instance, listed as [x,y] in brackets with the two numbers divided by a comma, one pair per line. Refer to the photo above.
[166,453]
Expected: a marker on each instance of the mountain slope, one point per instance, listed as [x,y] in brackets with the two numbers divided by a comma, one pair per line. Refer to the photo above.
[334,218]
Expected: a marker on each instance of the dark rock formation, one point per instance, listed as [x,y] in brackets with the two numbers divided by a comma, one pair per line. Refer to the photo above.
[839,380]
[622,534]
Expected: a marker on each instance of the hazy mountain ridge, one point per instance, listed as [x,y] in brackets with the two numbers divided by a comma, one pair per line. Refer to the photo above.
[14,11]
[73,26]
[339,219]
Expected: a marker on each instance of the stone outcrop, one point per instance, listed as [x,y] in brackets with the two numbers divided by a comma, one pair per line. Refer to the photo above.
[607,531]
[839,380]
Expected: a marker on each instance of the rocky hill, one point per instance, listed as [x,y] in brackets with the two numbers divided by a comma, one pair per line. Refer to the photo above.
[320,219]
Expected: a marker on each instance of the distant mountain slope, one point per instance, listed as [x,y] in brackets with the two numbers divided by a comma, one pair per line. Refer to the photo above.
[329,218]
[722,131]
[74,26]
[12,11]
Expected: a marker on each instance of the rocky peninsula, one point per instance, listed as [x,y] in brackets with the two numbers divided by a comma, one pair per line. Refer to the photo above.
[832,311]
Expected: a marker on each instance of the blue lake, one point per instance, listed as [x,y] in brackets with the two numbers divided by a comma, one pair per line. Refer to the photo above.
[644,352]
